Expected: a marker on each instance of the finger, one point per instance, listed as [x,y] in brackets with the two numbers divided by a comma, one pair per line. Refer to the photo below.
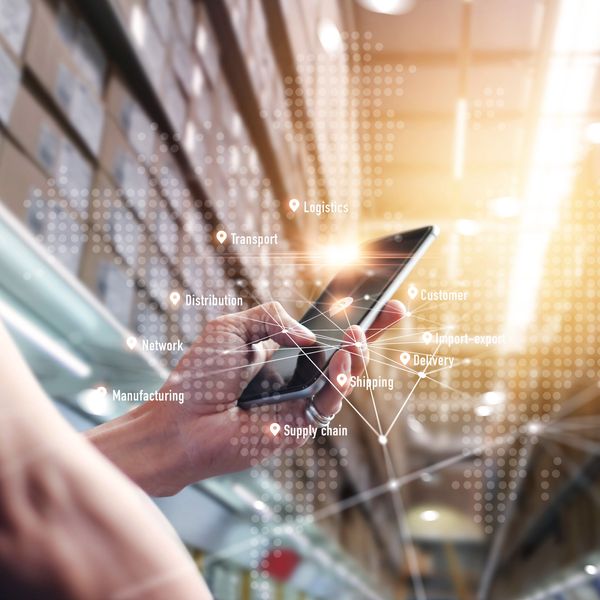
[272,321]
[329,400]
[389,315]
[355,342]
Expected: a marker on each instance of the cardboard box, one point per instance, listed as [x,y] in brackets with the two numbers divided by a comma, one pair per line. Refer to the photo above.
[68,75]
[25,191]
[114,221]
[10,76]
[207,46]
[130,178]
[162,17]
[108,278]
[44,141]
[185,16]
[145,39]
[131,118]
[15,16]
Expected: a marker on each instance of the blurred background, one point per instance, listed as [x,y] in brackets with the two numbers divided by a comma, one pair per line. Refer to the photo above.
[131,131]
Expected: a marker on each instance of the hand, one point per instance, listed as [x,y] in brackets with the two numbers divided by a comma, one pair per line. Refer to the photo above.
[177,444]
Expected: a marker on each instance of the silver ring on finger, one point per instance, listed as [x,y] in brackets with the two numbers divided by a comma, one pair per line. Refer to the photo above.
[315,416]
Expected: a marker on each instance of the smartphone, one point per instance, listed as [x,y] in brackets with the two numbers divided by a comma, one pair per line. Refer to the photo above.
[353,297]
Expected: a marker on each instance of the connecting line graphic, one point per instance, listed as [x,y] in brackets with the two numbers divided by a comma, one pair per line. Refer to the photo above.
[405,535]
[408,398]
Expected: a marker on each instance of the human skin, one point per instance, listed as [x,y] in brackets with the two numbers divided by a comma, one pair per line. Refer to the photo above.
[165,446]
[73,526]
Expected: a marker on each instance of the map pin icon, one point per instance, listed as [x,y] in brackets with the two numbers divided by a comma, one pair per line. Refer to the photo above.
[175,297]
[412,291]
[427,337]
[294,204]
[275,428]
[131,342]
[221,236]
[404,358]
[341,379]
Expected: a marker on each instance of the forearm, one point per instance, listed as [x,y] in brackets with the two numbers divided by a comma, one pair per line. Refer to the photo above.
[71,526]
[144,446]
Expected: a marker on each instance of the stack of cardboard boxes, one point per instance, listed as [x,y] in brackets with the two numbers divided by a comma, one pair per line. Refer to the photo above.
[106,191]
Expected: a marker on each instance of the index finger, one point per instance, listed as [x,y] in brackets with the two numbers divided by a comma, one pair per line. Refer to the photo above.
[389,315]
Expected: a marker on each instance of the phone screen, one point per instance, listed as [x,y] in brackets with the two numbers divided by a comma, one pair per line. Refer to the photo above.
[349,299]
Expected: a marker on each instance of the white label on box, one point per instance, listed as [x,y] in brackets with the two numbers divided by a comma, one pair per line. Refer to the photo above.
[182,63]
[133,182]
[81,107]
[9,76]
[185,17]
[161,13]
[139,129]
[87,116]
[14,21]
[89,57]
[125,233]
[48,148]
[74,176]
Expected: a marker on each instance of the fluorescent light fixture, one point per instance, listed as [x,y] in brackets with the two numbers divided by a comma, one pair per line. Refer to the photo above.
[557,148]
[592,133]
[591,569]
[505,207]
[429,516]
[388,7]
[460,137]
[329,36]
[43,341]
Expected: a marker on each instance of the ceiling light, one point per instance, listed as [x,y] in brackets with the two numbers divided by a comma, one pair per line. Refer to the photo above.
[592,133]
[494,398]
[557,149]
[591,569]
[42,340]
[484,410]
[329,36]
[388,7]
[467,227]
[430,515]
[505,207]
[460,136]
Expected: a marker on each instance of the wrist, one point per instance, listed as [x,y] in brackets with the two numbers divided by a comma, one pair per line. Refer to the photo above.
[144,445]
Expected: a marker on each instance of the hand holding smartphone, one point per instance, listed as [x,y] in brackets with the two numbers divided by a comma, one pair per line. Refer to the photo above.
[354,296]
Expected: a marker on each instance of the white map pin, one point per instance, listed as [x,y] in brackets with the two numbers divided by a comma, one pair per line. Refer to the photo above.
[341,379]
[131,342]
[427,337]
[404,358]
[275,428]
[175,297]
[412,291]
[221,236]
[101,391]
[294,204]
